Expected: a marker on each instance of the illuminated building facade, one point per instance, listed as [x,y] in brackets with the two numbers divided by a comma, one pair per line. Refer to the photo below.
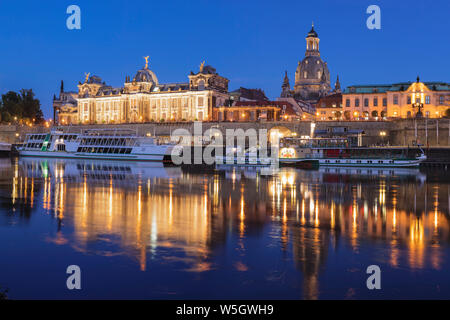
[65,106]
[144,99]
[381,102]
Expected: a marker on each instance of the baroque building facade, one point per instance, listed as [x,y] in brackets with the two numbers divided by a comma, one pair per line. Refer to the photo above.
[144,99]
[381,102]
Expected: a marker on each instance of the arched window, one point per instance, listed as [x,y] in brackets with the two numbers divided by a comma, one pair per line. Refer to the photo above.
[201,85]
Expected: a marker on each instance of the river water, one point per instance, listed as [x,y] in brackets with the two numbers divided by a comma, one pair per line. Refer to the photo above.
[144,231]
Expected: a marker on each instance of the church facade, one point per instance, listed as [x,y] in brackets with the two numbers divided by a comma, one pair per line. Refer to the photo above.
[312,77]
[143,99]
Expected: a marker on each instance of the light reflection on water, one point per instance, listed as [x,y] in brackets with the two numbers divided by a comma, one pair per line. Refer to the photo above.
[233,233]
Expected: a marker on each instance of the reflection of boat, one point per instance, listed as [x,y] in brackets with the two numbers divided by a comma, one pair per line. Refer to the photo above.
[370,171]
[109,144]
[96,169]
[336,152]
[5,149]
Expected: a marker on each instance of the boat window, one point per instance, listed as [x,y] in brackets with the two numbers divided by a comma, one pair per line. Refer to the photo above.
[128,150]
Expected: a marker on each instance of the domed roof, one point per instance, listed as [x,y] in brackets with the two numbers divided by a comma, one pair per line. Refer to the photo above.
[314,67]
[312,33]
[145,75]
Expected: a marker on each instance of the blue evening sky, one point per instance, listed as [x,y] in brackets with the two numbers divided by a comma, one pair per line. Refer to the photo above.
[249,42]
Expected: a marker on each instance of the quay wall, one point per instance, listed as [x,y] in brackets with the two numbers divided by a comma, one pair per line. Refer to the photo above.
[430,132]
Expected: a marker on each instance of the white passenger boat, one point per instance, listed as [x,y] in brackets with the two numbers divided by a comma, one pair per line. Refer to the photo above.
[109,144]
[344,156]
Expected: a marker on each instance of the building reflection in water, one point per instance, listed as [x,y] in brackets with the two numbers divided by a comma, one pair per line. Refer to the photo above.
[147,211]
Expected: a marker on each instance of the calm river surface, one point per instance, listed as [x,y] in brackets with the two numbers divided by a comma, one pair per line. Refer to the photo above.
[139,230]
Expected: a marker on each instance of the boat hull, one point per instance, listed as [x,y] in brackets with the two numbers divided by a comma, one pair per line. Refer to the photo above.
[78,155]
[375,163]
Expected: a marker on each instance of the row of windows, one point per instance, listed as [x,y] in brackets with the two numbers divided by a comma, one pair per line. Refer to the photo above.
[67,137]
[359,161]
[102,167]
[366,102]
[33,145]
[37,137]
[163,103]
[395,101]
[106,141]
[105,150]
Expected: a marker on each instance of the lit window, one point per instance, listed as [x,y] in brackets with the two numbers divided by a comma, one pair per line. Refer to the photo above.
[396,99]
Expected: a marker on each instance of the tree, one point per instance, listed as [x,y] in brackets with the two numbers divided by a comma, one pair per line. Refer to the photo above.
[3,294]
[338,114]
[347,115]
[447,113]
[22,105]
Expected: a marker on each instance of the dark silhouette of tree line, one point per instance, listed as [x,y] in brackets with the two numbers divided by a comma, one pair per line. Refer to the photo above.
[21,107]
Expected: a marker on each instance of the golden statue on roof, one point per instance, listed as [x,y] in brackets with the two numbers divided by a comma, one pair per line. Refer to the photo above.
[202,65]
[146,62]
[87,77]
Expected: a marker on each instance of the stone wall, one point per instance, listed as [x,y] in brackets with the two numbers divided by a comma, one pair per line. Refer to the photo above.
[401,132]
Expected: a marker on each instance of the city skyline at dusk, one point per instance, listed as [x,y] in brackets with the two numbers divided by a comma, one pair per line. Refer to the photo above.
[113,40]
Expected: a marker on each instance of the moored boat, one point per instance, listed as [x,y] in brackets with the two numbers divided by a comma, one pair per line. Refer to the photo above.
[108,144]
[347,156]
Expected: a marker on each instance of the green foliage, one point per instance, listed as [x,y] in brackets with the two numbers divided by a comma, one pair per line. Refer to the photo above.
[22,105]
[347,115]
[447,113]
[3,294]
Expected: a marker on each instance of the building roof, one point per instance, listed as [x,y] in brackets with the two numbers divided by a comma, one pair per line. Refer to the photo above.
[285,105]
[312,32]
[250,94]
[401,86]
[330,101]
[173,86]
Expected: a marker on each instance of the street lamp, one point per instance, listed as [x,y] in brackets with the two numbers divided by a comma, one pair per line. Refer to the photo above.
[419,106]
